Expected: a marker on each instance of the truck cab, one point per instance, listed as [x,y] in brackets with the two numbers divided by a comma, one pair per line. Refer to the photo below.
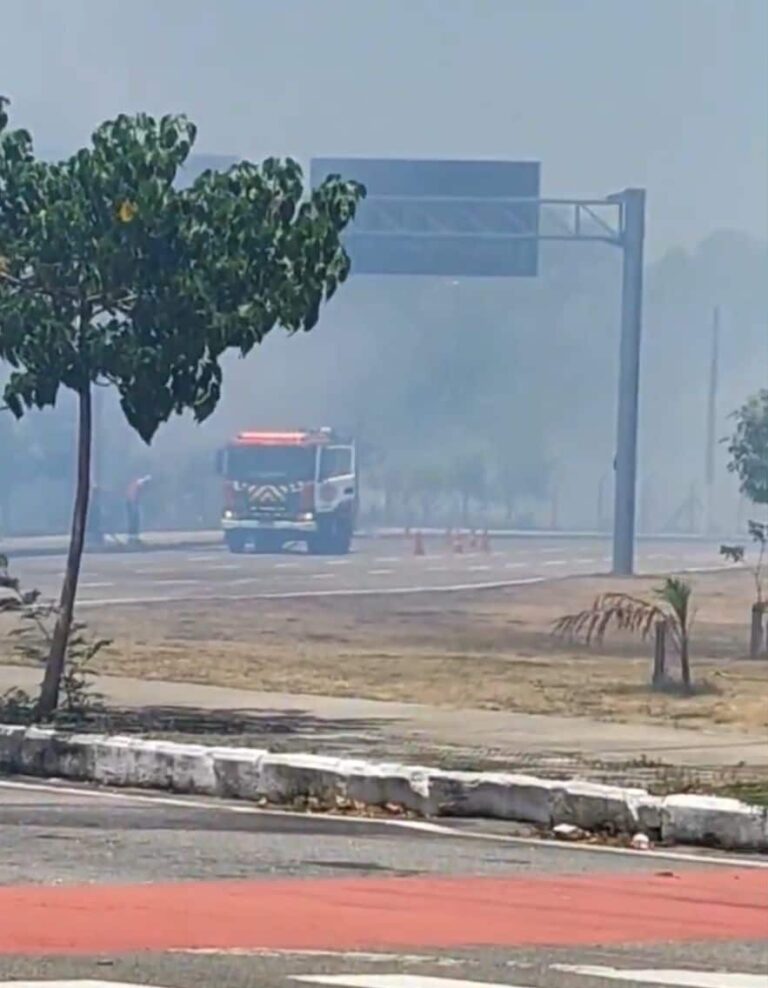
[282,487]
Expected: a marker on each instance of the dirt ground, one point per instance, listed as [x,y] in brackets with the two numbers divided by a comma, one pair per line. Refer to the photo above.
[492,649]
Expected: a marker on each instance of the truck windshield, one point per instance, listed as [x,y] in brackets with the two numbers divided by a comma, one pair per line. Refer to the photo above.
[286,464]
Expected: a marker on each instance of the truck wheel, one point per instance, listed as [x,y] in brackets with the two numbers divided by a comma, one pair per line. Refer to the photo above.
[333,539]
[235,541]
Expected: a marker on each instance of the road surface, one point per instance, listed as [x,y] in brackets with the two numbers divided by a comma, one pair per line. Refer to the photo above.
[376,566]
[191,893]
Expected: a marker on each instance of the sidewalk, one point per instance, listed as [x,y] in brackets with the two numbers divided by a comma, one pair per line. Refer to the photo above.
[45,545]
[413,732]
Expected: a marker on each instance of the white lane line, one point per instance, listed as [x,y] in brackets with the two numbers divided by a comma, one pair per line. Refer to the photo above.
[177,583]
[94,586]
[222,566]
[478,569]
[555,562]
[244,580]
[393,981]
[438,569]
[216,805]
[322,576]
[515,565]
[380,572]
[347,955]
[584,560]
[74,984]
[337,562]
[199,559]
[387,559]
[286,565]
[307,594]
[670,978]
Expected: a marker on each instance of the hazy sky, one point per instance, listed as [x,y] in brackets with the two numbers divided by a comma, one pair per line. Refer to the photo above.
[671,94]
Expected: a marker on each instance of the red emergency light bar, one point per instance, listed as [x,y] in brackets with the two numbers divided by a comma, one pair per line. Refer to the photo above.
[281,438]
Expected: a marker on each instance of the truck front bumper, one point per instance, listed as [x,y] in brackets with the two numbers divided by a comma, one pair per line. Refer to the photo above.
[307,526]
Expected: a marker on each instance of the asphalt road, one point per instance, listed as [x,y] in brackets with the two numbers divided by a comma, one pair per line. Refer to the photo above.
[189,893]
[375,566]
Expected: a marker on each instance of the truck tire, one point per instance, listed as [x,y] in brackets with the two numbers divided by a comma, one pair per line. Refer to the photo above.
[333,539]
[235,540]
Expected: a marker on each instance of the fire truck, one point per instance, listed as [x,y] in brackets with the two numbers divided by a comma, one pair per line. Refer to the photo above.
[282,487]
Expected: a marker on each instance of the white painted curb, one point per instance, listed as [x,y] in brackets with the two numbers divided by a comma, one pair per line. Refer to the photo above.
[256,774]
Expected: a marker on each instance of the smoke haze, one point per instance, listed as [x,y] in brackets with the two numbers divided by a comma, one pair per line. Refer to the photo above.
[510,381]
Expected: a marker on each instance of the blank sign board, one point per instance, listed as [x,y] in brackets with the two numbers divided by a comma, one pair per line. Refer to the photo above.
[451,218]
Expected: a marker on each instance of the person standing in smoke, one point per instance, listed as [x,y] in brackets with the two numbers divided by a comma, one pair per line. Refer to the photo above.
[133,507]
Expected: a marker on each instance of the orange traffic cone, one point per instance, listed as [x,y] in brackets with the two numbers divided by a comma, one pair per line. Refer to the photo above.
[418,545]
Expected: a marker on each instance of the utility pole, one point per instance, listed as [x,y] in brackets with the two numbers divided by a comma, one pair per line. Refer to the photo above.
[714,373]
[633,235]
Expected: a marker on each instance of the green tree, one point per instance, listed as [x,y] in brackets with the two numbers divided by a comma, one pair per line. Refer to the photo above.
[748,447]
[109,273]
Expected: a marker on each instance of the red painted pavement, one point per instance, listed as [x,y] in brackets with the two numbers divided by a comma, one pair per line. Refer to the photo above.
[387,913]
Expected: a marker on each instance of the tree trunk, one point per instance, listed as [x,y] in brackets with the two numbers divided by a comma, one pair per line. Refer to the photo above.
[685,662]
[660,654]
[756,632]
[54,668]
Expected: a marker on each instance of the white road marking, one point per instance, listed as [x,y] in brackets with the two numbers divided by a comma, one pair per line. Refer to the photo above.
[222,566]
[584,560]
[307,594]
[73,984]
[337,562]
[555,562]
[350,955]
[215,805]
[94,586]
[286,565]
[387,559]
[199,559]
[177,583]
[322,576]
[394,981]
[438,569]
[380,572]
[514,565]
[669,978]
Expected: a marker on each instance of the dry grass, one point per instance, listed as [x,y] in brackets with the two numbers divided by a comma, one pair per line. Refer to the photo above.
[492,649]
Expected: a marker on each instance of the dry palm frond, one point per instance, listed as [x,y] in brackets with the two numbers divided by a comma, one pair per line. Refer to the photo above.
[619,610]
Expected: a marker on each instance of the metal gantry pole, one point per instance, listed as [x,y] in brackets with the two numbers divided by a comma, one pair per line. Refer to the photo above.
[633,234]
[714,370]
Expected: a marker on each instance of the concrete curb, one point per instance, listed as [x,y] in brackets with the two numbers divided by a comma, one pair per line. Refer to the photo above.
[257,774]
